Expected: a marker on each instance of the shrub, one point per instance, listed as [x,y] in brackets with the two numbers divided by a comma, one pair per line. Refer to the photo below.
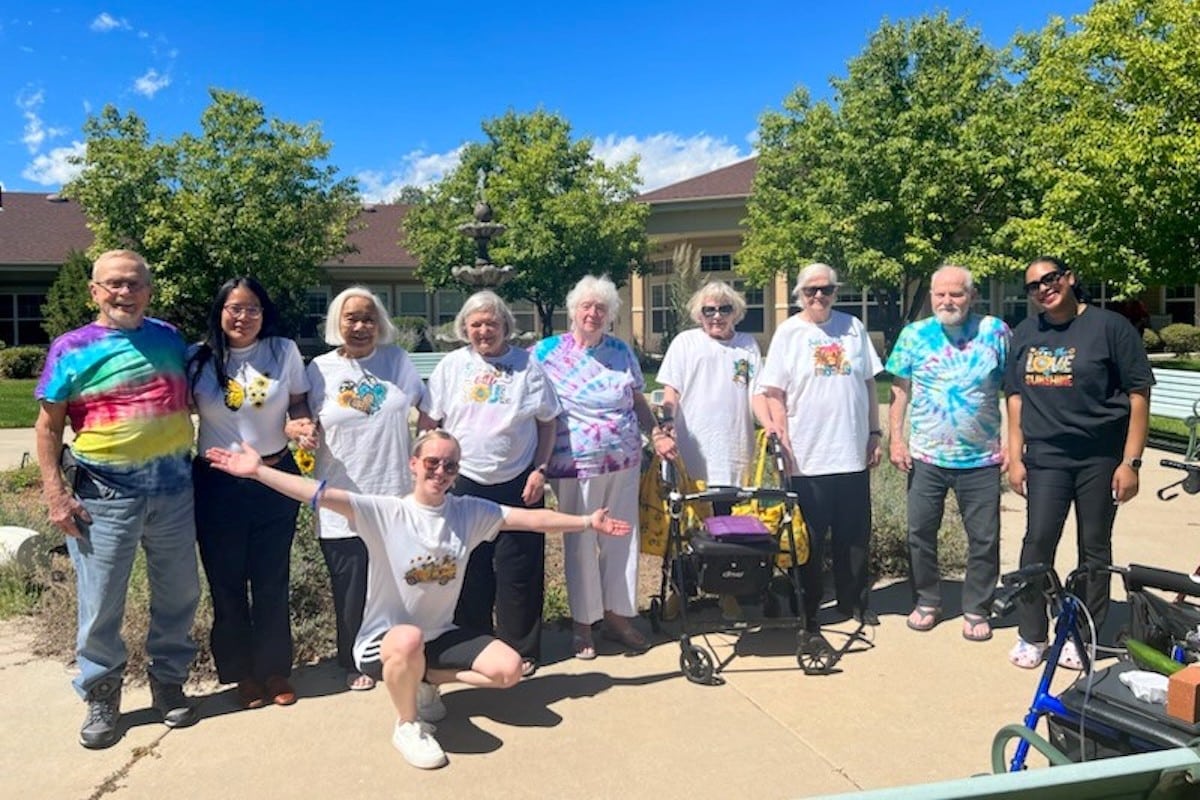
[412,333]
[1181,338]
[22,362]
[1151,341]
[889,529]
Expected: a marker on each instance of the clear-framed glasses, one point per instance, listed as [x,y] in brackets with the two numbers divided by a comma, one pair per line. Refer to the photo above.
[448,466]
[711,311]
[116,285]
[249,312]
[1046,281]
[812,291]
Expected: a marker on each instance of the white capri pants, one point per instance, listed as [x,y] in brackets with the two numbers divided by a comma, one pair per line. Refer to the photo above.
[601,570]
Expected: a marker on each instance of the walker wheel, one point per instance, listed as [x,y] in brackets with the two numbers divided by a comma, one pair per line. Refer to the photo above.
[696,664]
[816,656]
[655,615]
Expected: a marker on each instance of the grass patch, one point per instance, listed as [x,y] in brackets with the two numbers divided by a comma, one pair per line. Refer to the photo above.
[18,409]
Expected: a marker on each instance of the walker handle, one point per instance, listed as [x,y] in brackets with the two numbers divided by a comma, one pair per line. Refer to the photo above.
[1139,577]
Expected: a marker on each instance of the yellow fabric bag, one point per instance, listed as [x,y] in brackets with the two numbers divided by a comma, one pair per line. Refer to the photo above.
[654,518]
[767,476]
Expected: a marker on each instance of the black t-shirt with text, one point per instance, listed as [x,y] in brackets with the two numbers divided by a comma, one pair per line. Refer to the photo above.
[1074,381]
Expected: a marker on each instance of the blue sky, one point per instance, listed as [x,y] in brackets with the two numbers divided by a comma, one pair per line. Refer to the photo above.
[398,90]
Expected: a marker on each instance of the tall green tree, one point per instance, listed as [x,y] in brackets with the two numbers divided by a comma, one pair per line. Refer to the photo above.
[567,213]
[68,302]
[910,166]
[1112,107]
[248,195]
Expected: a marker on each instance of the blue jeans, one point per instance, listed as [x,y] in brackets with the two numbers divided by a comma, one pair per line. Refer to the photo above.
[103,559]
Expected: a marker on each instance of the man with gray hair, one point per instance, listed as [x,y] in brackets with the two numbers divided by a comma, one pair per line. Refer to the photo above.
[947,372]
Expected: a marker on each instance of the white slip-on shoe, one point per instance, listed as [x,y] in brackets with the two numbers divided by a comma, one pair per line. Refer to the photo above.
[415,742]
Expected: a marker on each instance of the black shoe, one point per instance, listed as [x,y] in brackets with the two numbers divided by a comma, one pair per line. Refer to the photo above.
[169,700]
[866,616]
[103,711]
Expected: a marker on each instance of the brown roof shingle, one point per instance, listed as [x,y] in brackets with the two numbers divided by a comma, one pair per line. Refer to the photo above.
[732,181]
[378,238]
[37,230]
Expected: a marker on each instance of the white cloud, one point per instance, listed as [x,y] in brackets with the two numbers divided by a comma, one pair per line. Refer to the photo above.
[107,22]
[35,132]
[420,169]
[55,168]
[667,158]
[151,83]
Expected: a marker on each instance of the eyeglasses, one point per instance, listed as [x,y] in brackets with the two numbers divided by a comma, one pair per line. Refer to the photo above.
[115,286]
[711,311]
[1046,281]
[431,464]
[250,312]
[811,291]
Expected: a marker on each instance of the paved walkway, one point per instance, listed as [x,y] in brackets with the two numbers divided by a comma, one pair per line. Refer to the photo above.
[915,708]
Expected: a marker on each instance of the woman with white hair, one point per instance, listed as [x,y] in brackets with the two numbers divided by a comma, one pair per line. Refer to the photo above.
[819,380]
[597,460]
[361,393]
[495,399]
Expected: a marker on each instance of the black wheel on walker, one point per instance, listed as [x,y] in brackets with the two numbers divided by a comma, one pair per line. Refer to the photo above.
[696,664]
[815,655]
[655,615]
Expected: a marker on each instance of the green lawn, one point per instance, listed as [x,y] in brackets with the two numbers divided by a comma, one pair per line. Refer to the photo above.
[18,409]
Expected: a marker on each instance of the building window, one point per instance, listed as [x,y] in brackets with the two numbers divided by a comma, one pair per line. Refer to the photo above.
[316,309]
[753,322]
[1014,304]
[1180,303]
[448,302]
[717,262]
[857,301]
[662,266]
[21,319]
[529,321]
[412,303]
[662,314]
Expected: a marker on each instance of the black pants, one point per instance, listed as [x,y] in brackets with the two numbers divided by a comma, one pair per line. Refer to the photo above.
[245,533]
[839,505]
[1050,494]
[507,574]
[347,562]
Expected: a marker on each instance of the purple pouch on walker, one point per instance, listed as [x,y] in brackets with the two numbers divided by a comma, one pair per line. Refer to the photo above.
[734,526]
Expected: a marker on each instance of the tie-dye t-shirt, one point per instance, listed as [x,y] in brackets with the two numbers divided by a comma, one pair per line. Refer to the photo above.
[127,401]
[598,429]
[955,377]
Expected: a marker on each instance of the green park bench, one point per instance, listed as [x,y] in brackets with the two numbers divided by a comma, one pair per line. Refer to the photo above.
[1176,395]
[425,362]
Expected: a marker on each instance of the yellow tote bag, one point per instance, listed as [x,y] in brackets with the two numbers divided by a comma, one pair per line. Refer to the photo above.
[767,476]
[654,519]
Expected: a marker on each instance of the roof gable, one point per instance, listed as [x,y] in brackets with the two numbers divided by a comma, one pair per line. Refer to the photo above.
[734,180]
[37,228]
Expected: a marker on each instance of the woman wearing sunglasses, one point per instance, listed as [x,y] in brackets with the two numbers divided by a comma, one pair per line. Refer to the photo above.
[495,399]
[362,392]
[1078,397]
[419,547]
[819,379]
[248,385]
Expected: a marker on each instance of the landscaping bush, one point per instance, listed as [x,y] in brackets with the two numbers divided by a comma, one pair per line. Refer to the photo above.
[412,333]
[889,528]
[1151,341]
[22,362]
[1180,338]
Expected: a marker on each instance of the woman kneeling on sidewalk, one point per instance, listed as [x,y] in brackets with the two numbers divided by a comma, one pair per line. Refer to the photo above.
[419,546]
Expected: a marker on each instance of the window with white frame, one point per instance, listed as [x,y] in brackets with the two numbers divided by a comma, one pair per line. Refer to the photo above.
[754,321]
[316,308]
[716,262]
[21,318]
[448,302]
[857,301]
[412,302]
[662,312]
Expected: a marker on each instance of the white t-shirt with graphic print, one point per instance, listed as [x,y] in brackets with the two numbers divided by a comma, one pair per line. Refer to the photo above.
[253,407]
[363,406]
[492,406]
[714,426]
[822,370]
[418,555]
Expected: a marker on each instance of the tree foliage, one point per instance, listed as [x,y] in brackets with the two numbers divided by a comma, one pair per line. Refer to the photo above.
[247,196]
[567,213]
[1112,107]
[68,302]
[910,167]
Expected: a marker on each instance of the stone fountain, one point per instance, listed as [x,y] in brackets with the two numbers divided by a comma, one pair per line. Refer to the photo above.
[483,273]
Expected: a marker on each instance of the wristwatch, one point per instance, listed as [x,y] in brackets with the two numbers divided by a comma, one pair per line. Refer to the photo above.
[1134,463]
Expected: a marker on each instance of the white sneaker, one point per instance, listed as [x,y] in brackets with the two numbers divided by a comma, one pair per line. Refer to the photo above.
[415,742]
[429,703]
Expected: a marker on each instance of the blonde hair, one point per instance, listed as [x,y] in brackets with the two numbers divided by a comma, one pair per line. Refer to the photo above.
[721,292]
[430,435]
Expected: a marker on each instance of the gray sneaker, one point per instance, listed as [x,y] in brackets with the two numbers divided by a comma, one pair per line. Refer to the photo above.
[169,700]
[430,707]
[103,710]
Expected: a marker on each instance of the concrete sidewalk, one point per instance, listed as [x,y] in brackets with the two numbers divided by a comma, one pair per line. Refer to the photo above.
[914,708]
[17,447]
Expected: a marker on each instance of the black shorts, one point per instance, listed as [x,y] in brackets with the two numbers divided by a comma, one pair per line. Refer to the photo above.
[454,649]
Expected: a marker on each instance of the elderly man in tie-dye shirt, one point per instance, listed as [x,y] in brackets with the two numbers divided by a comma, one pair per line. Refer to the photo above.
[947,371]
[126,480]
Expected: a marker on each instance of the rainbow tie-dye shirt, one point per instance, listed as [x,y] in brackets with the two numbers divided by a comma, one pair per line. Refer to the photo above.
[126,397]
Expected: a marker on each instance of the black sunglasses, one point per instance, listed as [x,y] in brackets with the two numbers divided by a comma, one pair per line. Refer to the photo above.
[711,311]
[1046,281]
[811,291]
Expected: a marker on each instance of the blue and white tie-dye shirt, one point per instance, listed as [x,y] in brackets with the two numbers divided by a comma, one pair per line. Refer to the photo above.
[955,378]
[598,430]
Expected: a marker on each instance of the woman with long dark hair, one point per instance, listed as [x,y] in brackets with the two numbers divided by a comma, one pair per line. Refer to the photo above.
[248,385]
